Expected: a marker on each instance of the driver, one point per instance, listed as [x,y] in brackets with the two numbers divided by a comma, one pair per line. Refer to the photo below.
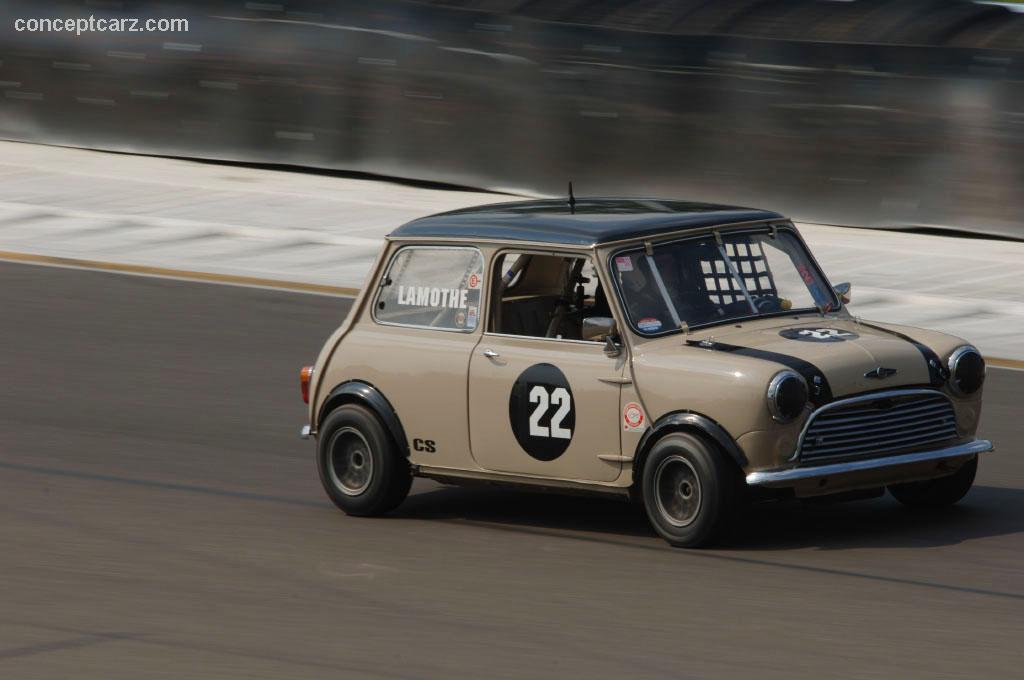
[647,308]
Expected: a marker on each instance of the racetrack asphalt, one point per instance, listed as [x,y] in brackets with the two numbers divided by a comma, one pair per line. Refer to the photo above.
[162,519]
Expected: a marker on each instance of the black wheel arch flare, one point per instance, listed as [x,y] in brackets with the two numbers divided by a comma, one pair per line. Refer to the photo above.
[361,392]
[687,421]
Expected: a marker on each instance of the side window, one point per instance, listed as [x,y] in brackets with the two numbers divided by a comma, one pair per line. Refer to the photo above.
[545,296]
[432,287]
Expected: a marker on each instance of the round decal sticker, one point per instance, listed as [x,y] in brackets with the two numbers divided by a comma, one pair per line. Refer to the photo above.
[649,324]
[474,281]
[632,417]
[818,334]
[542,411]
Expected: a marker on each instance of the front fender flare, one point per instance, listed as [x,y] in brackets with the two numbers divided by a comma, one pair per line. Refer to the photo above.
[357,391]
[691,422]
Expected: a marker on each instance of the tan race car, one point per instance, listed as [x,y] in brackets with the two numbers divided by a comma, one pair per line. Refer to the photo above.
[691,356]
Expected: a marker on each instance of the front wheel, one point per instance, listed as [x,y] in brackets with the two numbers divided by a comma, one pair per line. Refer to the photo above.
[937,493]
[690,491]
[361,469]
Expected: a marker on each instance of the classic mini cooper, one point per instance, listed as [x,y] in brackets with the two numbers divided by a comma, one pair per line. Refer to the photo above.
[693,357]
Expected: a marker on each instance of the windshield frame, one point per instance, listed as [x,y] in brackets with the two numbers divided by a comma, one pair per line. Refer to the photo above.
[726,231]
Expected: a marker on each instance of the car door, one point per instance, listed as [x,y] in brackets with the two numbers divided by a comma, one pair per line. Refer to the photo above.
[417,349]
[544,406]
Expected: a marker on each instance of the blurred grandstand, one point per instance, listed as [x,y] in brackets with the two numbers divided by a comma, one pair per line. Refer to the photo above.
[891,113]
[891,22]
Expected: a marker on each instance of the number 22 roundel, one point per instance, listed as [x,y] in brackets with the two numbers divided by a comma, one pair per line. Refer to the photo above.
[542,411]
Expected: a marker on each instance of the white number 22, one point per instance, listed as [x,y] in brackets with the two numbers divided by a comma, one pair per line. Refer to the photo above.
[559,396]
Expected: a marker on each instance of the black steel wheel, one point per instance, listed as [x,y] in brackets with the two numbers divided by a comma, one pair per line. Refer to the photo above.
[690,491]
[361,469]
[937,493]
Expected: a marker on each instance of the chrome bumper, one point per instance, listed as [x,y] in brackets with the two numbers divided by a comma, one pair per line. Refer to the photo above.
[305,432]
[799,474]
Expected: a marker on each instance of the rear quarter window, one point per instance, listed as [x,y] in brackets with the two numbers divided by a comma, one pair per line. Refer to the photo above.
[432,287]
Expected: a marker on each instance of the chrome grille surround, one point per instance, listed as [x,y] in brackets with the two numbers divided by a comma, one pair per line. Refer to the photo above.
[876,425]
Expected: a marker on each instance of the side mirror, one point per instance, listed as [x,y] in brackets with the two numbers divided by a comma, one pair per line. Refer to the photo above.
[611,350]
[598,328]
[843,291]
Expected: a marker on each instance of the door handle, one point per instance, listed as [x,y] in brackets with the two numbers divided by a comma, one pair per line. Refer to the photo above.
[491,354]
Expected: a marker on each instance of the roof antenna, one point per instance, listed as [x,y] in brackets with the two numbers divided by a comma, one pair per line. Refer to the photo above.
[572,201]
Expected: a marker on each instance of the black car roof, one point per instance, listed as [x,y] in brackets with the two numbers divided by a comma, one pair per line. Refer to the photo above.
[594,220]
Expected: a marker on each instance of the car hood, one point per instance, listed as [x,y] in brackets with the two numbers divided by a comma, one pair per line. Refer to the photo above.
[846,356]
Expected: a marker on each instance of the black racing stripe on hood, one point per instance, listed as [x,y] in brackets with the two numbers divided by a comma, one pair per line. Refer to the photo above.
[817,383]
[937,373]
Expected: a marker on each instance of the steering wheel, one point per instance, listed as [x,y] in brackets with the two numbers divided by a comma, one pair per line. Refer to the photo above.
[767,303]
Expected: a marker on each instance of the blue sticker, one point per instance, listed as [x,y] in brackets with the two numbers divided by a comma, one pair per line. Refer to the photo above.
[649,324]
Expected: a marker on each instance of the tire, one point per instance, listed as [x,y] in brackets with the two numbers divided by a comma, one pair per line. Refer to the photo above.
[937,493]
[692,493]
[360,467]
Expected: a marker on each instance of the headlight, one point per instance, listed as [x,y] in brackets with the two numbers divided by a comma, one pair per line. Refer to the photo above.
[966,370]
[787,396]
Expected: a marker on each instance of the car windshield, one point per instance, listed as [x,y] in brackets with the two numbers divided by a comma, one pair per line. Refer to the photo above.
[695,282]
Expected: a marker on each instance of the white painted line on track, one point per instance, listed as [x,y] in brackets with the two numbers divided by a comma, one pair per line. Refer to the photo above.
[178,274]
[995,363]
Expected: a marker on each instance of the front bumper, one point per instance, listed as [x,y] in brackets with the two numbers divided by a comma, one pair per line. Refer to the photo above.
[873,471]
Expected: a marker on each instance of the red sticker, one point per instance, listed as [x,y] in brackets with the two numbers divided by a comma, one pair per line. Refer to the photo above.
[805,274]
[633,417]
[649,324]
[474,281]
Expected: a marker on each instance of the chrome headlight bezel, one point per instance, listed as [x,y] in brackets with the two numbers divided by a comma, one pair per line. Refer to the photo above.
[953,363]
[775,391]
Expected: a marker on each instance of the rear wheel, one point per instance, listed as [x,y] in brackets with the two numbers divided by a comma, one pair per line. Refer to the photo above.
[361,469]
[690,491]
[937,493]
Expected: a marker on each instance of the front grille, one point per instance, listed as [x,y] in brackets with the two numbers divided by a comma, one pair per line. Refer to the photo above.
[868,426]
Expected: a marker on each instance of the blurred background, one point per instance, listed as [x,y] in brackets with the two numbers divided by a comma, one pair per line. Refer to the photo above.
[161,518]
[879,113]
